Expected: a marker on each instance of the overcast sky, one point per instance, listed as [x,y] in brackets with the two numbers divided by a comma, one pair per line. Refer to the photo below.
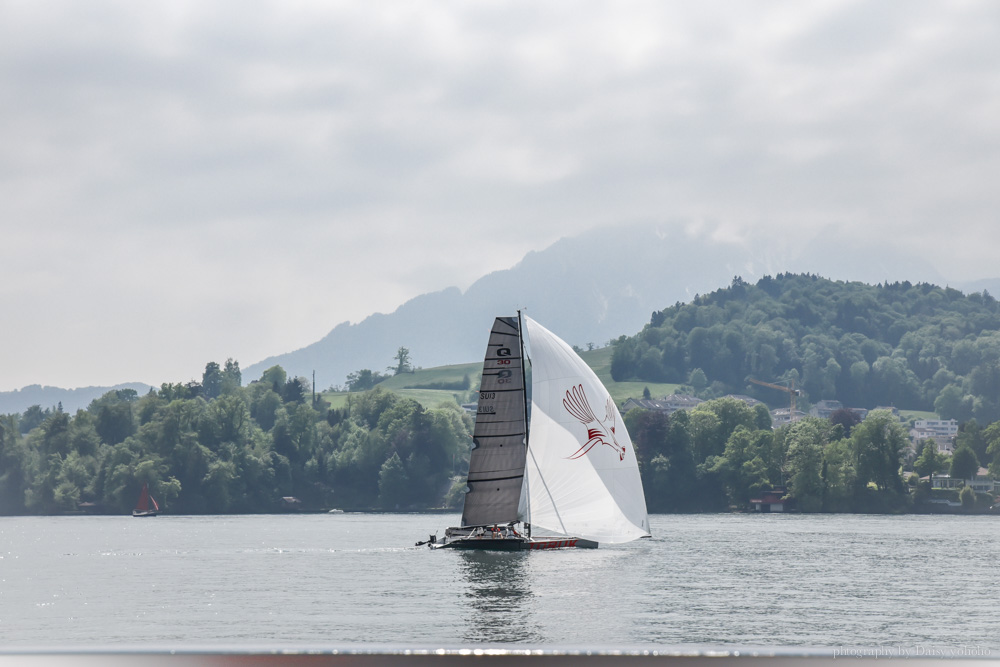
[185,182]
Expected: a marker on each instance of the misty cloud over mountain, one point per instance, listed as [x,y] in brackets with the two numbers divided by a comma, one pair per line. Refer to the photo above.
[587,289]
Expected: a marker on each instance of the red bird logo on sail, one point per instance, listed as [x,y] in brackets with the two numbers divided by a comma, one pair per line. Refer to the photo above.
[599,432]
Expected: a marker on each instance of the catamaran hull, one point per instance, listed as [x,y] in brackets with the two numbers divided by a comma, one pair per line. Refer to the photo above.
[514,543]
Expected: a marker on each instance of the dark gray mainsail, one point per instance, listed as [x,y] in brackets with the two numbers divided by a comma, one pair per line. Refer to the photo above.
[496,467]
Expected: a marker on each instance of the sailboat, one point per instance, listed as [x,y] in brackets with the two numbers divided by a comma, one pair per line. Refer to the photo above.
[142,506]
[552,464]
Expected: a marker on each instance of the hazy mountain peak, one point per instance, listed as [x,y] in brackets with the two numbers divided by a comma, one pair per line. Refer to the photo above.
[589,288]
[19,400]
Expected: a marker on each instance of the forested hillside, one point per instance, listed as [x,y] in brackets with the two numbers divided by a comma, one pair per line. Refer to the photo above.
[919,347]
[218,447]
[723,453]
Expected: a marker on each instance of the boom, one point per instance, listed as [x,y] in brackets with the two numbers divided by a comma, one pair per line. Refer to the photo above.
[791,391]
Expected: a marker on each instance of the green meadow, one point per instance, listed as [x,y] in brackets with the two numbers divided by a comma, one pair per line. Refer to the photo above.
[423,385]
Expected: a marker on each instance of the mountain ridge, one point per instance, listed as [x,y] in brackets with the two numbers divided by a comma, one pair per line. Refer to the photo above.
[568,286]
[589,288]
[19,400]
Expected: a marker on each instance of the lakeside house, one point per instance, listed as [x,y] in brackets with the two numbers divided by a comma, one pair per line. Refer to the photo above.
[982,483]
[769,501]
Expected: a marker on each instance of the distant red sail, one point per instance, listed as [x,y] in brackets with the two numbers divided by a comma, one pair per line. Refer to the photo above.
[143,504]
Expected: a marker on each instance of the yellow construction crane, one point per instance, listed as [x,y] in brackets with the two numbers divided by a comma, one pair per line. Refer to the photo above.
[791,391]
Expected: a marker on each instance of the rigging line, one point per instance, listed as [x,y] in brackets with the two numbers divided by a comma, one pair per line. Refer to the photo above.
[545,486]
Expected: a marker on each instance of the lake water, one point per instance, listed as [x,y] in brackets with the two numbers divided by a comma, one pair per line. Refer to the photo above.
[326,581]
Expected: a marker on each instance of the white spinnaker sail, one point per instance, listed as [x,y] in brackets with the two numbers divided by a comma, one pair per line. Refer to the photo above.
[582,478]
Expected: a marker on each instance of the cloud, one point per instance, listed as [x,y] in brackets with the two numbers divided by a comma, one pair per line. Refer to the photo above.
[234,179]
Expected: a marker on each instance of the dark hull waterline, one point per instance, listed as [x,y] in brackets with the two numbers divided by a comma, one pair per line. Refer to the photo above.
[489,543]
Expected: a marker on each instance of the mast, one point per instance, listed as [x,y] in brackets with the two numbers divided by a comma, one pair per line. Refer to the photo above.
[527,433]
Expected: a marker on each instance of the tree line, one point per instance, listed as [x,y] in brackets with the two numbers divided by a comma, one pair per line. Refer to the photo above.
[723,453]
[916,346]
[216,446]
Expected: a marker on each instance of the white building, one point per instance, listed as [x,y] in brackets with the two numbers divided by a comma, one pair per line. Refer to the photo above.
[941,431]
[982,483]
[942,428]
